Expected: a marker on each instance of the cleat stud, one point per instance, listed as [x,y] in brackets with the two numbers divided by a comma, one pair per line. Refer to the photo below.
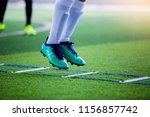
[71,63]
[52,64]
[42,53]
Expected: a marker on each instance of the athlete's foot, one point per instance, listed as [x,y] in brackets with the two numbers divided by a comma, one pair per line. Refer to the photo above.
[2,26]
[29,30]
[70,54]
[54,54]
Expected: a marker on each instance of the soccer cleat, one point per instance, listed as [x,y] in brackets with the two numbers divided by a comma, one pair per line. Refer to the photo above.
[54,54]
[29,30]
[70,55]
[2,26]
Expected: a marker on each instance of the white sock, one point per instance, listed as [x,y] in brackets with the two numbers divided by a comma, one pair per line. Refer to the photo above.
[72,21]
[60,15]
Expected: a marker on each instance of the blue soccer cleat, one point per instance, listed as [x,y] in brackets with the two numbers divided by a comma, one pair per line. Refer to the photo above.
[54,54]
[70,54]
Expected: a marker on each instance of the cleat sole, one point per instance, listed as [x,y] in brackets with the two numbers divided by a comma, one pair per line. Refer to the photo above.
[43,53]
[75,64]
[60,68]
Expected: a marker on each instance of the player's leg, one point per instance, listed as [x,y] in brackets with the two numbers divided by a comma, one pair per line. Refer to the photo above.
[3,5]
[29,30]
[59,18]
[28,11]
[73,19]
[51,48]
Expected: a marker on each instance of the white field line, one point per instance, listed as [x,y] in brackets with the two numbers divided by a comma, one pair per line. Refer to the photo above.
[45,27]
[76,75]
[1,64]
[35,69]
[135,79]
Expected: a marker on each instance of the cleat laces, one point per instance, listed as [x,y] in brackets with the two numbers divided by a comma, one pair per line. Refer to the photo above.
[69,47]
[57,51]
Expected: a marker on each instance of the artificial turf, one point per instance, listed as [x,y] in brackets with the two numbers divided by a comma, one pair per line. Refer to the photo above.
[115,42]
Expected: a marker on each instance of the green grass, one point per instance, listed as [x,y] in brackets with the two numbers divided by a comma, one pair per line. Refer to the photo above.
[108,41]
